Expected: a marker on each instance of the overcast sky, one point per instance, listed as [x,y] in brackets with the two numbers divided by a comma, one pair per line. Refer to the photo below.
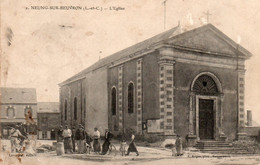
[41,48]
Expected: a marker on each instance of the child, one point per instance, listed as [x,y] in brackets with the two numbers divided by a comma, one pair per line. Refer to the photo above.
[123,147]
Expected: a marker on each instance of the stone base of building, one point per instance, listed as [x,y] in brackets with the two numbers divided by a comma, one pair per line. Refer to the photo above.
[192,139]
[222,137]
[242,136]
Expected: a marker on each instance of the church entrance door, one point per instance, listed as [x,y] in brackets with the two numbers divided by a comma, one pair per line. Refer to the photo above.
[206,119]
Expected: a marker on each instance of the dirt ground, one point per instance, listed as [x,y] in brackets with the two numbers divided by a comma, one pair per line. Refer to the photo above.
[148,156]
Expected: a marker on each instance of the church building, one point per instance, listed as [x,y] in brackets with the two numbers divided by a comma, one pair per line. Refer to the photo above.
[176,83]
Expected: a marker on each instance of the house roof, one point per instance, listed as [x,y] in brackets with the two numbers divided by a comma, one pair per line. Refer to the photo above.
[48,107]
[146,44]
[18,95]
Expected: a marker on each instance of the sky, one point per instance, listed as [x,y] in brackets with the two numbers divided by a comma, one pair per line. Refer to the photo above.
[42,48]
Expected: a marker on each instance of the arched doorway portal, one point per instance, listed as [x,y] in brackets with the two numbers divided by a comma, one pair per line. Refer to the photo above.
[206,101]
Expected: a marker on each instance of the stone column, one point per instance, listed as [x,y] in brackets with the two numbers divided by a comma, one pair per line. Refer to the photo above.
[120,97]
[240,102]
[166,94]
[222,135]
[192,135]
[249,118]
[139,96]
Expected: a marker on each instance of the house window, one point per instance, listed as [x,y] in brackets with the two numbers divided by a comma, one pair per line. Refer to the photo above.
[130,98]
[10,112]
[75,109]
[65,110]
[113,101]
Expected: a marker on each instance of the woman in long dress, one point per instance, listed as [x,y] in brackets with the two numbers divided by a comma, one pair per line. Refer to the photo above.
[96,143]
[132,146]
[178,145]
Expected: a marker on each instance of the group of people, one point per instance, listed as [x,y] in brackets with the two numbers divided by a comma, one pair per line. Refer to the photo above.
[80,139]
[72,138]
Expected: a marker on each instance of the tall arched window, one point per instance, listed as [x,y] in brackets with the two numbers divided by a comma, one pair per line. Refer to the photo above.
[131,98]
[75,109]
[113,101]
[65,110]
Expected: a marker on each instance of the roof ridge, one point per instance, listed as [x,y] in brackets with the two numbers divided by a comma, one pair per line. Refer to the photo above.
[168,34]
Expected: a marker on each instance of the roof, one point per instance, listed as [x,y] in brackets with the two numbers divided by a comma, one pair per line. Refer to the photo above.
[146,44]
[18,95]
[126,52]
[48,107]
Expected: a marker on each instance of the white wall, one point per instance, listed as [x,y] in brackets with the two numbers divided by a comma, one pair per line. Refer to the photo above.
[96,101]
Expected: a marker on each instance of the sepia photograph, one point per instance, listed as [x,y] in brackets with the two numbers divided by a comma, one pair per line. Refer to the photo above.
[129,82]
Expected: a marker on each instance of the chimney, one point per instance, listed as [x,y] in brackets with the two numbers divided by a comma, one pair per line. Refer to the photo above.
[249,118]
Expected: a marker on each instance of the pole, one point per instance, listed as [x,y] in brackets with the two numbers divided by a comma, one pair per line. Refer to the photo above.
[164,4]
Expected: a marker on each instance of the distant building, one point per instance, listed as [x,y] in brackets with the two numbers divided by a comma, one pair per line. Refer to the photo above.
[48,120]
[187,83]
[18,106]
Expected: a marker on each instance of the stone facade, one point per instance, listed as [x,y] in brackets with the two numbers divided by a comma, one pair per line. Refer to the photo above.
[168,85]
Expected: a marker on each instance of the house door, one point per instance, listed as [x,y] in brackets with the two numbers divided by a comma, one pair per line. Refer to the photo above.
[206,119]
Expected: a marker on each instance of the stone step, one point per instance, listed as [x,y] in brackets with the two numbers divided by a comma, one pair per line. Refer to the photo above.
[214,147]
[227,152]
[209,146]
[217,142]
[221,149]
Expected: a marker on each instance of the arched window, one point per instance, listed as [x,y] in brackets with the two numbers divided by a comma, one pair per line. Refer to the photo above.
[205,84]
[131,98]
[65,110]
[113,101]
[75,109]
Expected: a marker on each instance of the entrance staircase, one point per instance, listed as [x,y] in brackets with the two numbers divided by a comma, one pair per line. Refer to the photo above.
[218,147]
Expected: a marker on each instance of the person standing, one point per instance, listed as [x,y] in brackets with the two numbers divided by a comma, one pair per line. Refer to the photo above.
[67,140]
[80,137]
[59,134]
[132,146]
[178,145]
[14,134]
[105,146]
[88,143]
[96,143]
[73,139]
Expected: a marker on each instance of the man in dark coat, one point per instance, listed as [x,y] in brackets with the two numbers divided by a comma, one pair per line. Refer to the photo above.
[73,138]
[105,146]
[80,137]
[59,134]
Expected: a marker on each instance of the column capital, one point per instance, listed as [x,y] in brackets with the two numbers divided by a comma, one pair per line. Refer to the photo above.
[167,60]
